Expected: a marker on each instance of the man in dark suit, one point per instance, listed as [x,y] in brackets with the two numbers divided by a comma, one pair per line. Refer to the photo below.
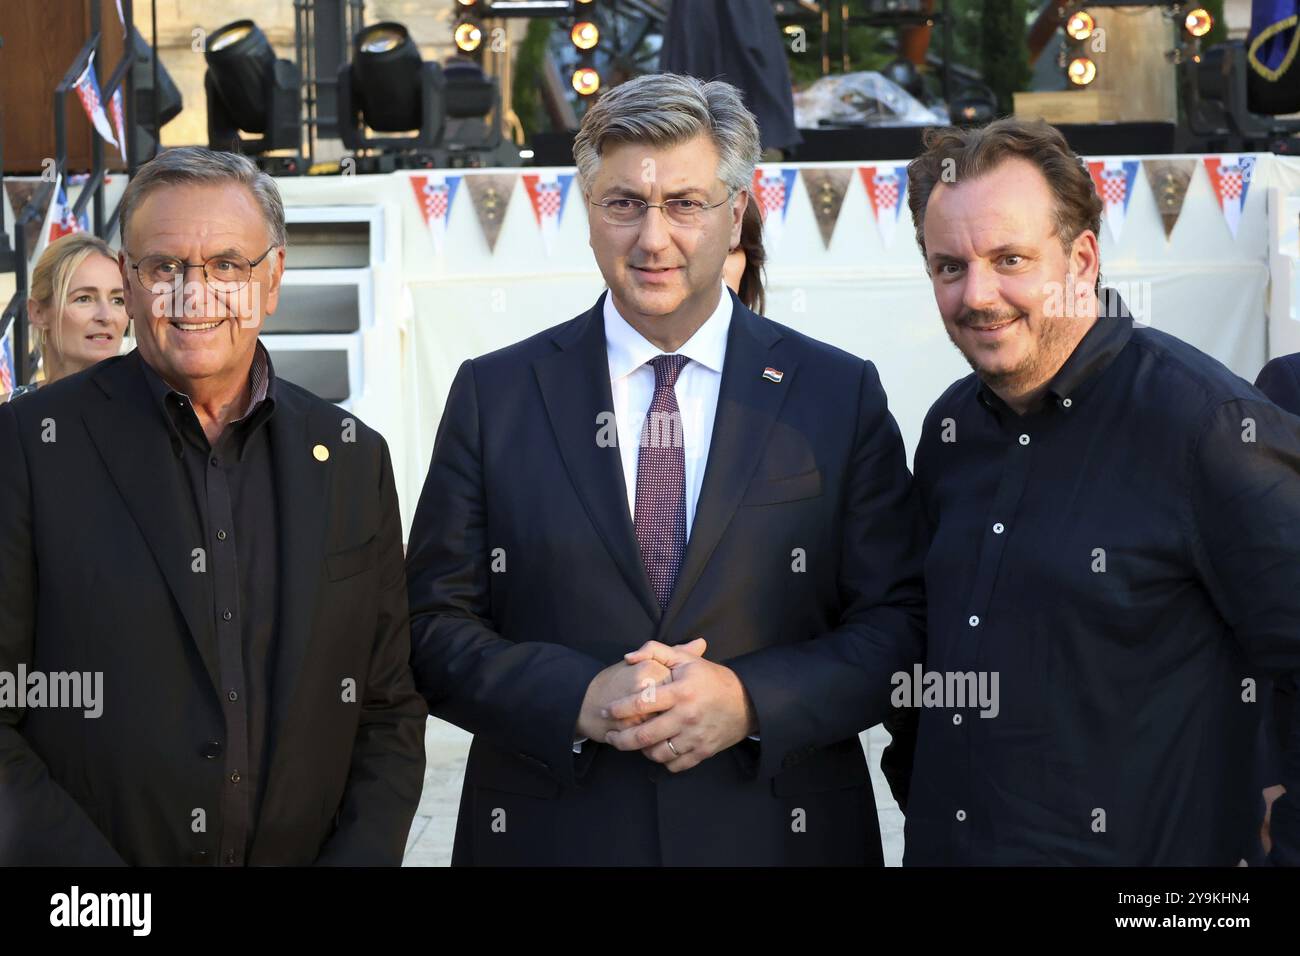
[666,557]
[1279,744]
[212,554]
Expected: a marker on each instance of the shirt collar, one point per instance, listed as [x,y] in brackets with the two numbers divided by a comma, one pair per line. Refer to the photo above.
[628,349]
[261,376]
[1092,356]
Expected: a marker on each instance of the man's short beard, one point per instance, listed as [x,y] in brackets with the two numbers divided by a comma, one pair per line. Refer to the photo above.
[1044,353]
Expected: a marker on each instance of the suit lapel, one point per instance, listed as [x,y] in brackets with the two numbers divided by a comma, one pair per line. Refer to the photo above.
[301,493]
[748,405]
[575,387]
[126,427]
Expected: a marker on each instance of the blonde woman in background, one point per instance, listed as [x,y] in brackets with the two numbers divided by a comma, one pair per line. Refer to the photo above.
[76,307]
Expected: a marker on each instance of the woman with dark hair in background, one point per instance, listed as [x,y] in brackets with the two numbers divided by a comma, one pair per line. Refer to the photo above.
[743,270]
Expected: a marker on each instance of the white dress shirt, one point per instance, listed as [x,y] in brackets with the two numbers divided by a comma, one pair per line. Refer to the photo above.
[632,382]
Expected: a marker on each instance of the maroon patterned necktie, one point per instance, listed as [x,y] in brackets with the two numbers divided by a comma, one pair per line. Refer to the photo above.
[660,510]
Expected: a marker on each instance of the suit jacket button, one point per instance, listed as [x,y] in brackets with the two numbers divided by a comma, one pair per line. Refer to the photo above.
[212,750]
[199,857]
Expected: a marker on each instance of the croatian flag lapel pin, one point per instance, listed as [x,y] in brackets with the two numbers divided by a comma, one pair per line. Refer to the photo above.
[773,374]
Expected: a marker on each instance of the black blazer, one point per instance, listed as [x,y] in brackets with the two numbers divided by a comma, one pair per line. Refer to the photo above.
[97,577]
[526,580]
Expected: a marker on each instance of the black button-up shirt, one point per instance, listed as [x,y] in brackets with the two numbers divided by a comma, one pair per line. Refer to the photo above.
[1126,559]
[233,489]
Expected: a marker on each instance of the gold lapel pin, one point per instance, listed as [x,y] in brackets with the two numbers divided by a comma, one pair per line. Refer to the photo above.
[320,453]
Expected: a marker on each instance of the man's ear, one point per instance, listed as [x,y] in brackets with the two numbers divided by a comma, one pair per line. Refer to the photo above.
[273,282]
[738,217]
[1085,258]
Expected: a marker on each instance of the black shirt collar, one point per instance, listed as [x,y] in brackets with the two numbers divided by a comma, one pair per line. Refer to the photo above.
[1092,356]
[175,405]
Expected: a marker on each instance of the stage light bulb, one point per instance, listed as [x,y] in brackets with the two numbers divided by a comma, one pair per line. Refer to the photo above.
[1080,25]
[1199,22]
[1082,71]
[586,80]
[584,35]
[468,37]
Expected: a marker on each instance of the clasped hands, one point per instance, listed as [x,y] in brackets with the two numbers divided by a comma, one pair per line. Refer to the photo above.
[669,703]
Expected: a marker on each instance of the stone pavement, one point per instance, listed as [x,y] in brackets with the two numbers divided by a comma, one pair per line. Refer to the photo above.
[446,747]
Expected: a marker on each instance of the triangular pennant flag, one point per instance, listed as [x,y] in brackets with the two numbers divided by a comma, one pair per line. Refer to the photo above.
[548,193]
[1114,180]
[1169,179]
[886,188]
[119,121]
[490,194]
[826,189]
[21,194]
[1230,176]
[434,194]
[62,221]
[87,87]
[772,188]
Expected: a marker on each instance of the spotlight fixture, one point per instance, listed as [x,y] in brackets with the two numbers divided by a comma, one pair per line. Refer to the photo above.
[250,90]
[388,88]
[386,67]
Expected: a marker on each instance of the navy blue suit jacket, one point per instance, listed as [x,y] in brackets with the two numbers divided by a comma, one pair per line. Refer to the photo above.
[526,581]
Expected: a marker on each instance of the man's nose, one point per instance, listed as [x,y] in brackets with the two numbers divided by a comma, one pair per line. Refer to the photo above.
[981,289]
[654,229]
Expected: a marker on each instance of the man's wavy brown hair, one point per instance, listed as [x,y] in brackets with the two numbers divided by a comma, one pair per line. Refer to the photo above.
[969,153]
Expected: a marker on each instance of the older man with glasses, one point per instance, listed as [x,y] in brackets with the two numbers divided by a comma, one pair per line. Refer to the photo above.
[667,556]
[219,553]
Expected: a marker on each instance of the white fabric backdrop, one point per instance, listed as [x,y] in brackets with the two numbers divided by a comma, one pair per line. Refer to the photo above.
[873,299]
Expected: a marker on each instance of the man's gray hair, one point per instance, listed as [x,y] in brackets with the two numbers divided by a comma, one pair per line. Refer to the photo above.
[195,165]
[666,109]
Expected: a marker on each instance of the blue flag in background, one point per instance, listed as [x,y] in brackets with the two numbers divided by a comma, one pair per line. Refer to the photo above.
[1273,52]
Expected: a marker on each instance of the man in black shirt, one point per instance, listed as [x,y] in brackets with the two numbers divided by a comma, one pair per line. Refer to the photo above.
[1114,523]
[218,554]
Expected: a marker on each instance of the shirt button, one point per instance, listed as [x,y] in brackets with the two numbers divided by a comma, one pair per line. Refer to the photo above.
[999,528]
[221,536]
[215,462]
[1024,440]
[961,815]
[235,777]
[226,615]
[974,620]
[1066,402]
[233,695]
[956,719]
